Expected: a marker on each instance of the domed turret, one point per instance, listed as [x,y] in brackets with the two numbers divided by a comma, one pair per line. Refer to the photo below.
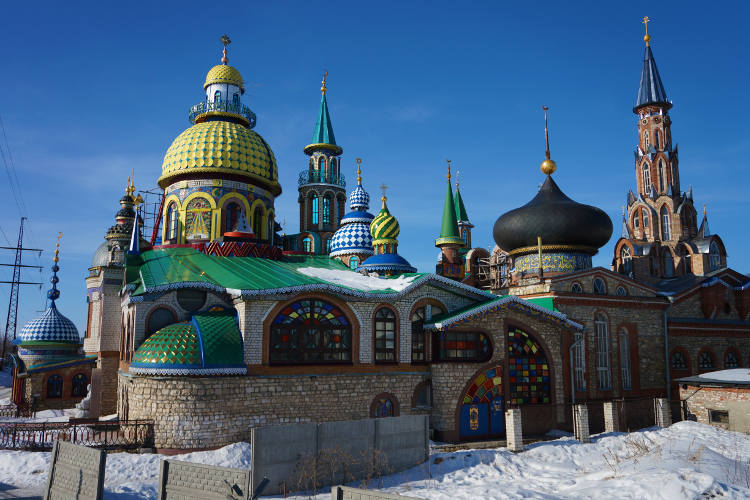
[570,232]
[352,241]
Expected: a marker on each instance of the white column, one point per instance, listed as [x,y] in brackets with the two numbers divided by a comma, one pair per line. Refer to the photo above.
[513,429]
[662,412]
[611,417]
[581,423]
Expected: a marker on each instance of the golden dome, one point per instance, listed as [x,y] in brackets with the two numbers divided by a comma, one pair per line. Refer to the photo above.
[548,167]
[221,147]
[223,73]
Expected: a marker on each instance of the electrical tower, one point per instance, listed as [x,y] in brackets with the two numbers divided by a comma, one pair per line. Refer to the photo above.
[10,323]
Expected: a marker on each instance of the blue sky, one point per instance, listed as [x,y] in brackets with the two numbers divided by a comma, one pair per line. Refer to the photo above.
[93,90]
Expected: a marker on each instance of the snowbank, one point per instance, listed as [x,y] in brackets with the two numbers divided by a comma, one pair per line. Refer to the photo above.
[356,280]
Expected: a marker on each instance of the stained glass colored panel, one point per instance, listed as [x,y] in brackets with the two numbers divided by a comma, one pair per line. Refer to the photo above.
[485,387]
[384,408]
[528,370]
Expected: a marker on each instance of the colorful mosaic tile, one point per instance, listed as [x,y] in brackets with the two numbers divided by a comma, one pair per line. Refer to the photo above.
[528,370]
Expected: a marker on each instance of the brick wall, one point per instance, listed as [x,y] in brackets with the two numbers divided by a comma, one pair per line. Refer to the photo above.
[700,400]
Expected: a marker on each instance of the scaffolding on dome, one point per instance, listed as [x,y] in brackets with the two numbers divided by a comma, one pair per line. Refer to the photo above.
[150,211]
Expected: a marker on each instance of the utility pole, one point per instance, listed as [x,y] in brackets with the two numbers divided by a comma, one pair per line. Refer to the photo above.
[10,323]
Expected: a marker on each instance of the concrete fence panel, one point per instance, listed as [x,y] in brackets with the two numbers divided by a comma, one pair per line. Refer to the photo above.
[276,450]
[189,481]
[75,472]
[404,440]
[345,493]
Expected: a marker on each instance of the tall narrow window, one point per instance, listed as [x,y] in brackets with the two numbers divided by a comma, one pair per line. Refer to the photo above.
[315,209]
[326,210]
[602,352]
[232,217]
[714,257]
[627,260]
[600,287]
[80,381]
[54,386]
[236,99]
[646,179]
[646,142]
[625,360]
[258,222]
[668,264]
[657,142]
[579,361]
[217,96]
[662,180]
[730,360]
[307,245]
[353,262]
[172,219]
[418,337]
[666,228]
[385,335]
[706,361]
[636,221]
[678,361]
[645,218]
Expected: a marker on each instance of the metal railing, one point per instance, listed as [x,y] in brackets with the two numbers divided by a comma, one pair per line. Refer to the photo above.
[317,177]
[222,107]
[114,435]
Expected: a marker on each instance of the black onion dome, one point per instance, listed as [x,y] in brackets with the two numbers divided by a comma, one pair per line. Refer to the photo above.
[559,220]
[125,212]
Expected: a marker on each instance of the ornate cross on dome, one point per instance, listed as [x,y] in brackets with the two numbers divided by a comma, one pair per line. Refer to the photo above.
[323,87]
[383,187]
[548,166]
[226,41]
[647,37]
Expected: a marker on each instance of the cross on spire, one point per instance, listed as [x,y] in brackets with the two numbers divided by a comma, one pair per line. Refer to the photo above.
[323,87]
[383,187]
[225,41]
[647,37]
[449,169]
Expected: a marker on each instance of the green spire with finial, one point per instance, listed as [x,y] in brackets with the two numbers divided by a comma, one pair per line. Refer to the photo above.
[323,129]
[461,215]
[449,227]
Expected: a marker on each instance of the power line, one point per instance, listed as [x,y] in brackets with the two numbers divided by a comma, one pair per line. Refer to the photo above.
[10,166]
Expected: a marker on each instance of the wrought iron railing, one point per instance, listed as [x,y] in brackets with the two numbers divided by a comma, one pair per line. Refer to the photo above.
[317,177]
[15,411]
[114,435]
[222,107]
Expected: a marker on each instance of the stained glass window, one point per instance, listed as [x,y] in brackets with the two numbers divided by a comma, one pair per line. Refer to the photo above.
[80,381]
[385,335]
[464,346]
[54,386]
[383,408]
[528,370]
[485,387]
[310,331]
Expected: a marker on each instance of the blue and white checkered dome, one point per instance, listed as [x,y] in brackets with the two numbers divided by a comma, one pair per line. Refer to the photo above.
[359,199]
[49,327]
[352,238]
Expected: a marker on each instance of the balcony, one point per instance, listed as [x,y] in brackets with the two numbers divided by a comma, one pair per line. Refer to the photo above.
[204,108]
[316,177]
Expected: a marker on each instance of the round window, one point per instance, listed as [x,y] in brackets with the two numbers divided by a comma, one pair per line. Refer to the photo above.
[191,300]
[621,291]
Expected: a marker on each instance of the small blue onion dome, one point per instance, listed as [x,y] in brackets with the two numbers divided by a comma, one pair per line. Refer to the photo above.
[387,263]
[359,199]
[352,238]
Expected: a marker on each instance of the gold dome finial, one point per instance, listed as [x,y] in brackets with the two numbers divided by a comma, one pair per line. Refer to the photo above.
[449,169]
[56,258]
[323,87]
[226,41]
[383,187]
[548,166]
[704,210]
[130,188]
[359,171]
[646,37]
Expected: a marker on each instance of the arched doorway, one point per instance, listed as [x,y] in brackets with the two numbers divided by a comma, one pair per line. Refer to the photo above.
[482,407]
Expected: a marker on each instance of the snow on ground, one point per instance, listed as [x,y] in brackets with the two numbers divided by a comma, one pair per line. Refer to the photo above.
[356,280]
[687,460]
[733,375]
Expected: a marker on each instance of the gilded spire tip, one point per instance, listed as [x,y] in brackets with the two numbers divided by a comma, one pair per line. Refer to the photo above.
[225,41]
[383,187]
[646,37]
[359,171]
[457,172]
[449,170]
[548,166]
[323,88]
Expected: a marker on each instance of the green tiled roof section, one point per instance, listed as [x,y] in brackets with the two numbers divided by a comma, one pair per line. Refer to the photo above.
[323,133]
[168,266]
[175,344]
[545,302]
[222,340]
[461,215]
[448,226]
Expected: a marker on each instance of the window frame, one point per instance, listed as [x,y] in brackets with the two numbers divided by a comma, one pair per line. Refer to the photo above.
[459,338]
[382,335]
[598,289]
[603,364]
[626,375]
[418,317]
[54,381]
[78,390]
[575,285]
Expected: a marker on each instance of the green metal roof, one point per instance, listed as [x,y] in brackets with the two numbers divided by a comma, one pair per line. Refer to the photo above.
[448,227]
[323,133]
[461,215]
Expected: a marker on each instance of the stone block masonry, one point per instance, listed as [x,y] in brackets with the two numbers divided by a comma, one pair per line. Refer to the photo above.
[581,423]
[513,429]
[611,417]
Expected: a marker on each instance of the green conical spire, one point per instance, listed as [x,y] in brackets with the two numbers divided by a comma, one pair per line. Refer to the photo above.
[449,227]
[323,133]
[461,215]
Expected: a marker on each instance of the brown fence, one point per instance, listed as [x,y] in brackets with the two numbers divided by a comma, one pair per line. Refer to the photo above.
[115,435]
[16,411]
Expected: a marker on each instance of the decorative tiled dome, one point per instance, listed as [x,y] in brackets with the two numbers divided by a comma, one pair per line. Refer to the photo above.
[223,73]
[352,238]
[221,147]
[101,255]
[49,327]
[210,344]
[384,226]
[359,199]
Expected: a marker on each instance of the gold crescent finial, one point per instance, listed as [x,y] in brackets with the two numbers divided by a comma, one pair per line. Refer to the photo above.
[457,172]
[646,37]
[449,169]
[323,87]
[225,41]
[548,166]
[359,170]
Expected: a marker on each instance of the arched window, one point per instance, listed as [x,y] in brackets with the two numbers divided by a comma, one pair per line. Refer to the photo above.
[353,262]
[678,361]
[714,257]
[636,221]
[54,386]
[258,223]
[579,361]
[315,209]
[602,352]
[384,405]
[80,381]
[645,218]
[657,142]
[236,99]
[321,167]
[217,96]
[600,287]
[198,219]
[419,317]
[327,210]
[730,360]
[576,288]
[627,260]
[666,228]
[307,244]
[232,217]
[528,370]
[706,360]
[385,335]
[464,346]
[646,142]
[646,178]
[158,319]
[625,360]
[660,169]
[668,263]
[310,331]
[328,245]
[621,291]
[172,220]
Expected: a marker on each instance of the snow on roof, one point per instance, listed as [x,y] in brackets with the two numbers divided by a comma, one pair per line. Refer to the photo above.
[741,375]
[358,281]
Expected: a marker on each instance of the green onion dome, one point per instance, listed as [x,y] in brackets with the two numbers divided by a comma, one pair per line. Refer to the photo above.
[209,344]
[384,226]
[221,147]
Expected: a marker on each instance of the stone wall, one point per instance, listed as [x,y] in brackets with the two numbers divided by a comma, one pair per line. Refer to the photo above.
[734,400]
[208,412]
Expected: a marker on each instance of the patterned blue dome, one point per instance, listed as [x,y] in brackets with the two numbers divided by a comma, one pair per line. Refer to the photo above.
[352,238]
[387,262]
[49,327]
[359,199]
